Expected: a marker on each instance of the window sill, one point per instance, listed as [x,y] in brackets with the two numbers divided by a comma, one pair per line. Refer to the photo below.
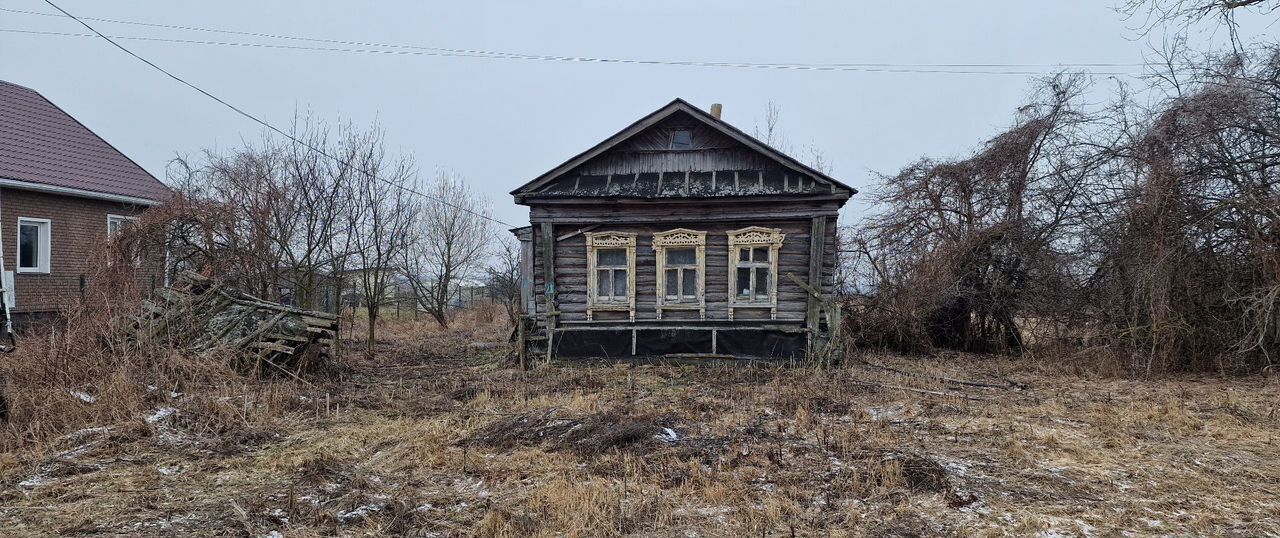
[610,306]
[22,271]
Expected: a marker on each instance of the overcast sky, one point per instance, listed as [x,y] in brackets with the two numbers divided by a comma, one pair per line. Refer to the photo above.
[501,122]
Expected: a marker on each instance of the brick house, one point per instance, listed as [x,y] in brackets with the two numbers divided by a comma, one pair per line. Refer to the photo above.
[63,190]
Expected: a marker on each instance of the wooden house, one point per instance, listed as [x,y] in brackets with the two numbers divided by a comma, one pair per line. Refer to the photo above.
[680,235]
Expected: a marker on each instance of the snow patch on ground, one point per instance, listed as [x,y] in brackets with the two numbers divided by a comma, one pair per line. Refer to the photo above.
[667,435]
[358,513]
[160,414]
[83,396]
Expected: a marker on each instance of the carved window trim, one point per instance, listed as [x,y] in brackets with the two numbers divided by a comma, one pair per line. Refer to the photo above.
[597,241]
[681,238]
[751,237]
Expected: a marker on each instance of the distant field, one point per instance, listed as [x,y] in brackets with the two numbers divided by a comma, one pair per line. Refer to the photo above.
[436,437]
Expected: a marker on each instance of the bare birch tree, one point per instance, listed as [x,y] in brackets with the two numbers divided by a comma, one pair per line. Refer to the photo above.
[451,241]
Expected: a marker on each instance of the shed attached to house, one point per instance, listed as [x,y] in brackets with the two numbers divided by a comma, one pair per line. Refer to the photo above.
[679,235]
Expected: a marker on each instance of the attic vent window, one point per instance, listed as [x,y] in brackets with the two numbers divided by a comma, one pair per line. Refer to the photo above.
[681,139]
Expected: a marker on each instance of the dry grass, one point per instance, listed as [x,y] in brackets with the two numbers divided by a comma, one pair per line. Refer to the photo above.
[437,437]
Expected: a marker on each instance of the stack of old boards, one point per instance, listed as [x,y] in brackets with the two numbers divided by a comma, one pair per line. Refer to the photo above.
[201,316]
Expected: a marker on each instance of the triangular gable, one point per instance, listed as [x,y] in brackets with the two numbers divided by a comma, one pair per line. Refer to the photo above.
[634,135]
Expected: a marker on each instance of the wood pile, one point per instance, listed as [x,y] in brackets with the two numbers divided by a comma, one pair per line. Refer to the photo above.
[203,317]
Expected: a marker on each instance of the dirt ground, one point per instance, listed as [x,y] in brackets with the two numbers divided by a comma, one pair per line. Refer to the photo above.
[437,437]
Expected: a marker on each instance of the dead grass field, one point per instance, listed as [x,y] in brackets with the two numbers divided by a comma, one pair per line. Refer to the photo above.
[435,437]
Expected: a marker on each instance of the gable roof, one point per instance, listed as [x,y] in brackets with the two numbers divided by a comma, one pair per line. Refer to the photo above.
[44,148]
[676,106]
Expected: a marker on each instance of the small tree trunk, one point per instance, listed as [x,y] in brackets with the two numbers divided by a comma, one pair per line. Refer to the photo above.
[373,320]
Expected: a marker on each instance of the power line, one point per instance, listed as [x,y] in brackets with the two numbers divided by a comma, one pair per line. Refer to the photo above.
[268,125]
[794,67]
[958,68]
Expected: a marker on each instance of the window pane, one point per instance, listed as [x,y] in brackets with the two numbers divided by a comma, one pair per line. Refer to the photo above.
[744,254]
[611,256]
[29,246]
[603,282]
[761,254]
[690,283]
[673,282]
[681,256]
[762,283]
[620,283]
[681,140]
[744,282]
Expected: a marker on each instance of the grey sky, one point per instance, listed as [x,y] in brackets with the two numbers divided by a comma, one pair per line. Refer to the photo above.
[501,122]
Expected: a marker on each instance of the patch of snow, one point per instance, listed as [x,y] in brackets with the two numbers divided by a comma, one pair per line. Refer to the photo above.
[358,513]
[955,467]
[667,435]
[33,482]
[161,414]
[424,508]
[882,413]
[273,534]
[168,471]
[83,396]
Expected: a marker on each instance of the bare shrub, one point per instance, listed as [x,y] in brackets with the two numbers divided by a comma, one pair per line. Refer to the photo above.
[959,250]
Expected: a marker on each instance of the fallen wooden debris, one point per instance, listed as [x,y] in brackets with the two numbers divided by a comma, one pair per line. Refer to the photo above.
[201,316]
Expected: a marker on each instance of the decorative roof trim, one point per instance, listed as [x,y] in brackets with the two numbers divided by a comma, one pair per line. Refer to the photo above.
[661,114]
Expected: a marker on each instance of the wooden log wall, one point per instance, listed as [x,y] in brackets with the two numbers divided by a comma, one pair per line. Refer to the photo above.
[570,264]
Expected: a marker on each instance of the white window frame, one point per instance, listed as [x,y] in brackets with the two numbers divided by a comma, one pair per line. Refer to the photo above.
[45,238]
[118,218]
[748,238]
[111,218]
[681,238]
[597,241]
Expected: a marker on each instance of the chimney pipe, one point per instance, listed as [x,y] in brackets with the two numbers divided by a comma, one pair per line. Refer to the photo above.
[716,108]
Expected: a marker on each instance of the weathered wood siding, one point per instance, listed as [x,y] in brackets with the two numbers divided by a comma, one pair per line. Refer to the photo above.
[715,165]
[570,270]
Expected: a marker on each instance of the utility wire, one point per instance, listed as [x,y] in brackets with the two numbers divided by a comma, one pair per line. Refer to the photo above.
[401,52]
[442,51]
[270,126]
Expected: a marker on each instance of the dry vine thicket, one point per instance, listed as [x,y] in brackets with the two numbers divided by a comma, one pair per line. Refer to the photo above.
[1147,234]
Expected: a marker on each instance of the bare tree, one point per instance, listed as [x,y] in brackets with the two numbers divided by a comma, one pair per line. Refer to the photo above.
[773,136]
[451,241]
[502,277]
[1182,14]
[958,251]
[381,226]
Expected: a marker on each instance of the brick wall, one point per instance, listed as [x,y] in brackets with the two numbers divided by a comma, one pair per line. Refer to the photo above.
[78,231]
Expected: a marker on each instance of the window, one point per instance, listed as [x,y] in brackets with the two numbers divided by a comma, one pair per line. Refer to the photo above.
[753,269]
[125,249]
[33,245]
[611,275]
[681,261]
[115,223]
[681,139]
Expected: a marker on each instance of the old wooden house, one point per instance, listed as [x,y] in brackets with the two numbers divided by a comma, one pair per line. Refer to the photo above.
[679,235]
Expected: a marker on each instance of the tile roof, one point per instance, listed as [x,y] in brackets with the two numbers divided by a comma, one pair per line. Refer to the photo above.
[40,143]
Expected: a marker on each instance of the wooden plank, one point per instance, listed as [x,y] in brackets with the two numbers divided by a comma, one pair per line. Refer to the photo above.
[817,250]
[549,271]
